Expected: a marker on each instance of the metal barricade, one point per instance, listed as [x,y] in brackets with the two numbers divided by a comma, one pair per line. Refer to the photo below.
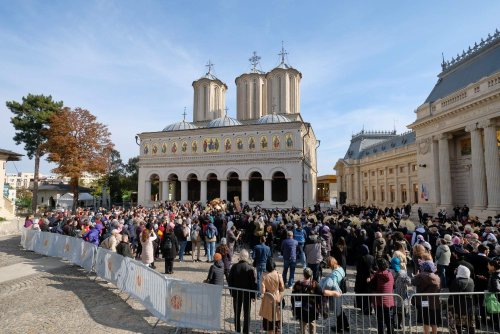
[350,313]
[452,312]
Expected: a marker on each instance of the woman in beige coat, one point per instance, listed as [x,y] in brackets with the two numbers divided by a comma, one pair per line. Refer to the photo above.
[272,285]
[147,238]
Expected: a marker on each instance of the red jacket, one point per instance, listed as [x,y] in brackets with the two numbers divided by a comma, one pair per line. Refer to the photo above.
[382,282]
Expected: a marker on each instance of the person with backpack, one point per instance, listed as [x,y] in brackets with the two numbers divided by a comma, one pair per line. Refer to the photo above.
[195,241]
[210,237]
[169,248]
[330,285]
[306,309]
[299,234]
[181,232]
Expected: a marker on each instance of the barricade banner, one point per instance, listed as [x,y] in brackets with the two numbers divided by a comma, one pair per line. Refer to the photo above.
[84,254]
[23,237]
[70,246]
[111,266]
[57,249]
[31,239]
[45,243]
[194,305]
[148,286]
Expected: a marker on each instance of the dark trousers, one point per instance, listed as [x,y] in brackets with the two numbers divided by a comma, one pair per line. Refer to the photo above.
[239,301]
[169,266]
[315,269]
[384,317]
[342,321]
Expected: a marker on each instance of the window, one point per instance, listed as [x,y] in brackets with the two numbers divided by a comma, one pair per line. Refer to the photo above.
[366,174]
[373,173]
[392,194]
[414,168]
[381,172]
[279,188]
[366,193]
[404,194]
[391,170]
[401,169]
[374,193]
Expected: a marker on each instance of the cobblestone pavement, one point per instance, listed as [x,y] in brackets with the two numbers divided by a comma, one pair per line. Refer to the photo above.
[65,299]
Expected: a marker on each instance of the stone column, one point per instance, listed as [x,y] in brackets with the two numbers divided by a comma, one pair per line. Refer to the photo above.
[478,171]
[289,190]
[408,197]
[244,192]
[444,170]
[148,191]
[223,189]
[184,190]
[267,191]
[492,164]
[203,191]
[386,187]
[164,191]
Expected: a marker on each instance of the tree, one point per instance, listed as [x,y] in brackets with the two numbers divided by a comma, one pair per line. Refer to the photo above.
[31,118]
[78,144]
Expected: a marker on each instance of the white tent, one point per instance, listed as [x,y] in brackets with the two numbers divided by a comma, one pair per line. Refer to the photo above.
[66,200]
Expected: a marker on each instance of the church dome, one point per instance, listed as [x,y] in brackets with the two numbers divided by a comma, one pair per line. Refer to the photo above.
[183,125]
[223,121]
[273,118]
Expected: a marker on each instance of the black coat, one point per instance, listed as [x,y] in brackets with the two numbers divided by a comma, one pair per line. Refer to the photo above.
[242,276]
[123,248]
[462,304]
[172,253]
[216,273]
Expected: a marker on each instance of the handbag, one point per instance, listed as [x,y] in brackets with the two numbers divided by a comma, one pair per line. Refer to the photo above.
[492,304]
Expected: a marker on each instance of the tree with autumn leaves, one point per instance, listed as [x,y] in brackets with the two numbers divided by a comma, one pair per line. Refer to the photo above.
[77,143]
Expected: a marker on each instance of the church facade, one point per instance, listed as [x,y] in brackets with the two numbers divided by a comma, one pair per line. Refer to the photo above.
[451,156]
[265,156]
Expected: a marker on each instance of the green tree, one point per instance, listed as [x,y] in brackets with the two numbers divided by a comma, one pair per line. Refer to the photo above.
[31,120]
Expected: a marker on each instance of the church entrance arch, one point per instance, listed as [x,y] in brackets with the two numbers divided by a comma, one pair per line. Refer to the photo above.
[233,186]
[174,188]
[213,187]
[255,187]
[279,187]
[193,188]
[154,195]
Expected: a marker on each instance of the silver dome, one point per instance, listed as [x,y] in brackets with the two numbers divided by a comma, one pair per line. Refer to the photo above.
[183,125]
[223,121]
[273,118]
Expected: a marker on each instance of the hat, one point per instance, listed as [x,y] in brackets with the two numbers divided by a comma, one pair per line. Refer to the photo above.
[396,264]
[463,272]
[308,272]
[447,238]
[217,257]
[223,241]
[428,266]
[456,240]
[420,237]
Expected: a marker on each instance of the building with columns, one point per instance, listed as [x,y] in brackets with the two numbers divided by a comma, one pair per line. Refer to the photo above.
[265,156]
[451,155]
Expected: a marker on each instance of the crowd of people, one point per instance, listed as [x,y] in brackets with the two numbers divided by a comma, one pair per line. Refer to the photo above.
[391,253]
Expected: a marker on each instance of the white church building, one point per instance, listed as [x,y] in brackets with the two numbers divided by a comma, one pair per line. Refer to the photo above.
[265,156]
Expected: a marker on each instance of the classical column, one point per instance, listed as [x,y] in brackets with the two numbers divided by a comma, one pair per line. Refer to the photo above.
[148,191]
[184,190]
[444,170]
[408,197]
[492,164]
[203,191]
[164,190]
[386,187]
[289,190]
[223,189]
[478,171]
[244,192]
[267,190]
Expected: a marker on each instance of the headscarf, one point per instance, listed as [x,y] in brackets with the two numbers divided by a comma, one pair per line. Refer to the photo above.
[463,272]
[364,250]
[396,264]
[428,266]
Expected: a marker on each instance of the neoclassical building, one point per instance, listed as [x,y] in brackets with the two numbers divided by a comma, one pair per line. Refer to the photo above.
[265,156]
[452,154]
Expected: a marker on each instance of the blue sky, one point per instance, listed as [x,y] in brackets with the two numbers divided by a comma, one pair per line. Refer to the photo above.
[131,63]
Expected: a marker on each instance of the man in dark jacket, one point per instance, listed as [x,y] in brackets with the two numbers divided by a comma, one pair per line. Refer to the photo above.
[261,253]
[242,276]
[216,271]
[169,247]
[123,248]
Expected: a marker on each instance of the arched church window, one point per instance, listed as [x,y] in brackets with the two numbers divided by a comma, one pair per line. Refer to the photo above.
[256,187]
[279,187]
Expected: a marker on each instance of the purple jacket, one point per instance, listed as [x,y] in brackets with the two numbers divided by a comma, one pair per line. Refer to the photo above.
[92,235]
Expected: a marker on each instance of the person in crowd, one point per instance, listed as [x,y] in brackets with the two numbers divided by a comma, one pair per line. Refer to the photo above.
[93,234]
[147,237]
[339,252]
[460,307]
[232,236]
[181,232]
[494,287]
[123,248]
[216,271]
[307,308]
[300,235]
[271,287]
[210,238]
[289,253]
[195,241]
[112,241]
[261,254]
[400,253]
[427,282]
[402,283]
[270,238]
[312,250]
[364,269]
[443,256]
[226,254]
[330,285]
[28,221]
[170,248]
[242,278]
[379,246]
[382,282]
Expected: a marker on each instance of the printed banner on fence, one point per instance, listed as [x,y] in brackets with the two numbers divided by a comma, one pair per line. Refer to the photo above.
[59,243]
[84,254]
[194,305]
[45,243]
[31,239]
[148,286]
[112,267]
[23,237]
[69,247]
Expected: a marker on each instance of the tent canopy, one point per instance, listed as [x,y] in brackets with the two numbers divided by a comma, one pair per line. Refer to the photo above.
[66,200]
